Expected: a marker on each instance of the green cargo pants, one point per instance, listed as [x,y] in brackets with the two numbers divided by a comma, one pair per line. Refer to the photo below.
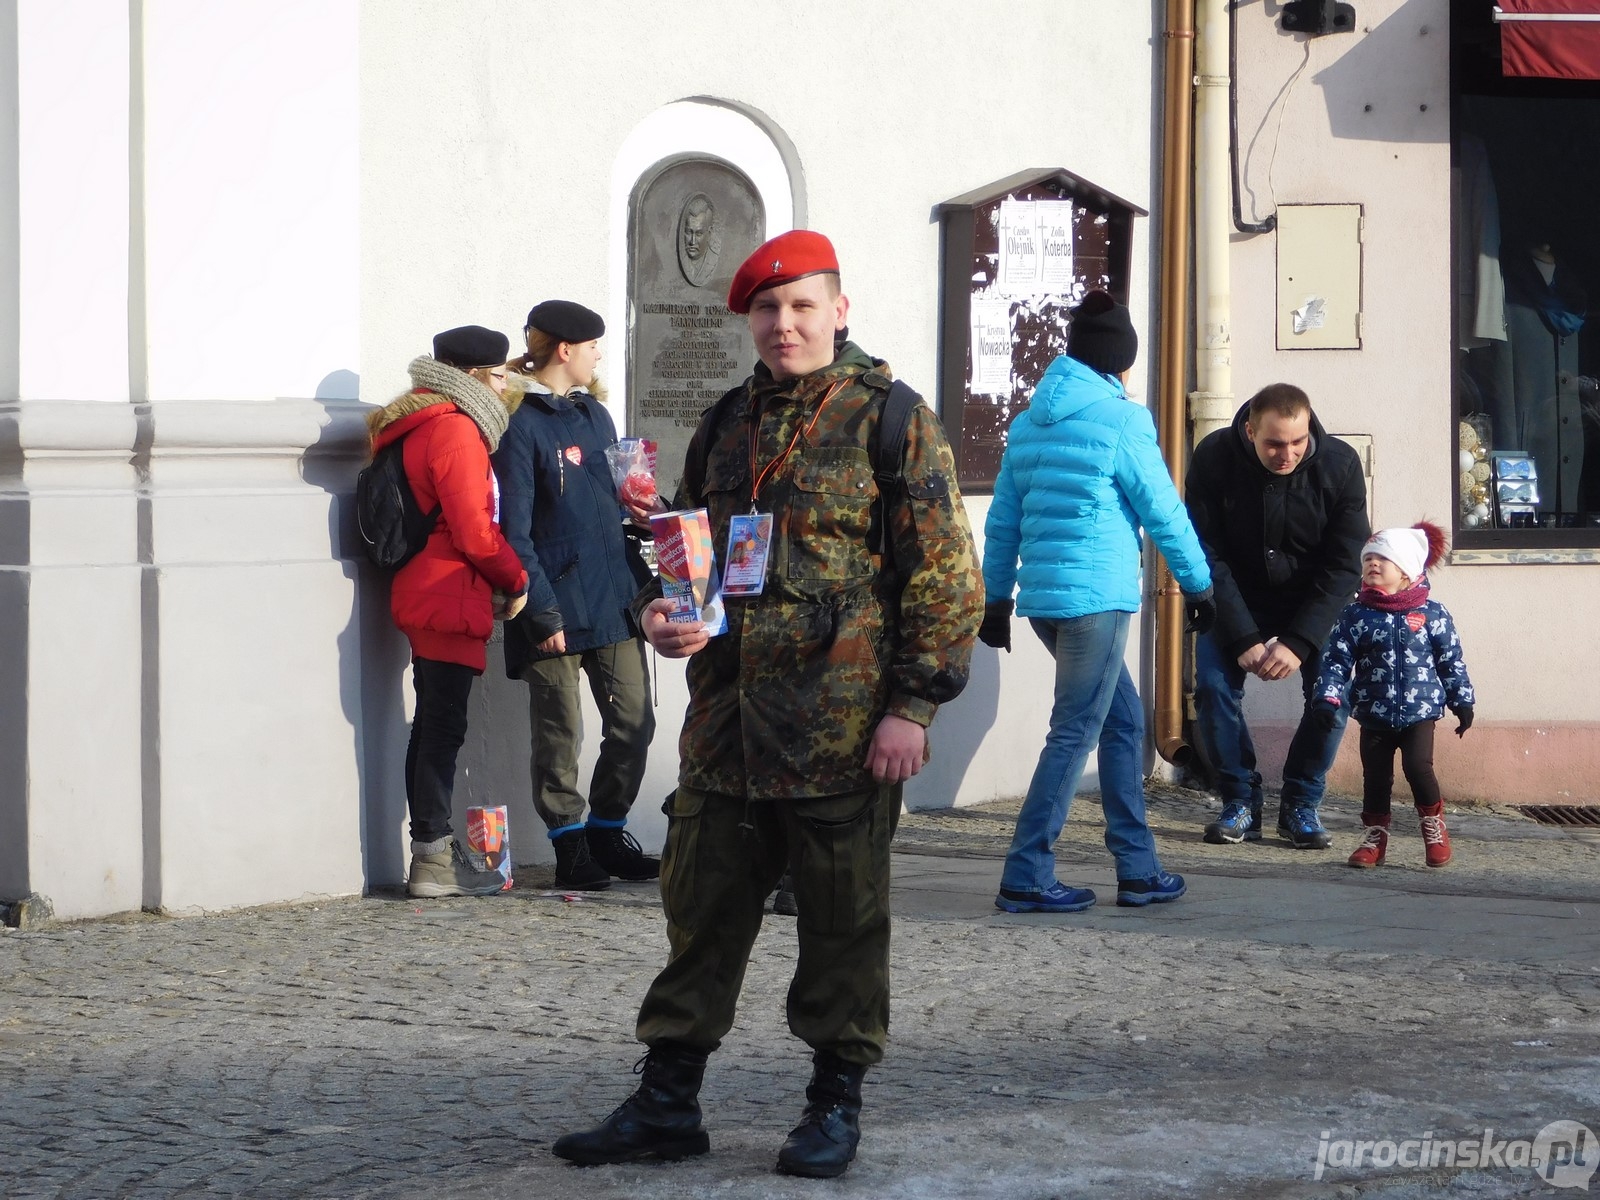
[722,860]
[619,681]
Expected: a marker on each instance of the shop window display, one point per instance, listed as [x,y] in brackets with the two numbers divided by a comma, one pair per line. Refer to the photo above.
[1527,265]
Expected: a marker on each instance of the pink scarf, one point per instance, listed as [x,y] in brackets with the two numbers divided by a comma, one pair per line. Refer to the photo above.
[1413,597]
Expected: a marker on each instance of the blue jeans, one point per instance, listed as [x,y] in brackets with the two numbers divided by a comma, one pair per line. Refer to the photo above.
[1225,738]
[1096,703]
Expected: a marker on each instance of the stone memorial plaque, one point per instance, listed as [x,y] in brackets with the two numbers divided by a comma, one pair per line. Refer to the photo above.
[693,223]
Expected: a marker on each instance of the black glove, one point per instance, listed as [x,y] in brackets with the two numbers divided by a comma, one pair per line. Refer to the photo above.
[1326,714]
[996,628]
[1463,714]
[1201,611]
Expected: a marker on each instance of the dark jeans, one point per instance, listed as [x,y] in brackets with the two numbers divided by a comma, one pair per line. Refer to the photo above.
[437,732]
[723,857]
[1415,743]
[1225,738]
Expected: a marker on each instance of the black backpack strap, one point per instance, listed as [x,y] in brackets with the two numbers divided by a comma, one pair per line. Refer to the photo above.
[888,462]
[898,406]
[710,421]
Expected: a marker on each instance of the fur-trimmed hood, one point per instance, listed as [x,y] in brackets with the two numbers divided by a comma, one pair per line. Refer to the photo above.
[528,383]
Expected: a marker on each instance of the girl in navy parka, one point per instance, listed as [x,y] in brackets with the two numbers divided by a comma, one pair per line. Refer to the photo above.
[561,515]
[1395,658]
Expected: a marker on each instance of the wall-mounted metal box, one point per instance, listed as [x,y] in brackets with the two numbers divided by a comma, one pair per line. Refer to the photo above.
[1319,276]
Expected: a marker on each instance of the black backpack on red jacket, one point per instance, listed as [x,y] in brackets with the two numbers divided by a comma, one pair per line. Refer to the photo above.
[392,524]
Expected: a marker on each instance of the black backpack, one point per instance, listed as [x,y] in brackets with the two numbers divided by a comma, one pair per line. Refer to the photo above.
[392,524]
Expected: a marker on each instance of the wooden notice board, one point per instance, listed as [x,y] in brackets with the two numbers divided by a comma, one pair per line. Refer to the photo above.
[1015,257]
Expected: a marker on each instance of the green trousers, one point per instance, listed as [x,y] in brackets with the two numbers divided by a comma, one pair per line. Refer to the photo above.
[619,681]
[722,860]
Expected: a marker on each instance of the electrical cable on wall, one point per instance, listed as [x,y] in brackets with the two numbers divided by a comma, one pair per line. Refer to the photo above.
[1269,222]
[1239,222]
[1277,133]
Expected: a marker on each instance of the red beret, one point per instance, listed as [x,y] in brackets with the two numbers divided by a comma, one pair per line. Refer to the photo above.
[785,258]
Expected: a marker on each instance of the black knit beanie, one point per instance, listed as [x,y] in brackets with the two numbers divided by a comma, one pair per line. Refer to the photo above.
[1102,335]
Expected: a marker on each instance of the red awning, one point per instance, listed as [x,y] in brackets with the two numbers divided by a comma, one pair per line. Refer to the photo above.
[1549,39]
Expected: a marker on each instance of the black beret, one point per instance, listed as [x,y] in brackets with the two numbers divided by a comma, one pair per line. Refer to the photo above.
[1101,335]
[566,321]
[471,346]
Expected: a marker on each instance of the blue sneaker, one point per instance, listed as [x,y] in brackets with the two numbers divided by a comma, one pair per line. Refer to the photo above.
[1057,898]
[1238,823]
[1162,889]
[1303,828]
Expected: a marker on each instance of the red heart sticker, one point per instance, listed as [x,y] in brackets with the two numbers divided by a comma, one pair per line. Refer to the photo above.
[575,455]
[1416,620]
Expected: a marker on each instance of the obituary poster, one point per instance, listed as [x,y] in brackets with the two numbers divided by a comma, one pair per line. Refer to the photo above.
[991,346]
[1021,256]
[1055,244]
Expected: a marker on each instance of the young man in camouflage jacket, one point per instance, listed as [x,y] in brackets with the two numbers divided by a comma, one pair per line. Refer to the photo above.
[805,719]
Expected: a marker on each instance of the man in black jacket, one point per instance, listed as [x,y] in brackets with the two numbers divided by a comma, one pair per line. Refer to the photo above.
[1281,509]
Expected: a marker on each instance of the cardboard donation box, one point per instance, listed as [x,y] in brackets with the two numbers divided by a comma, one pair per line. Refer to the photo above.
[489,839]
[688,568]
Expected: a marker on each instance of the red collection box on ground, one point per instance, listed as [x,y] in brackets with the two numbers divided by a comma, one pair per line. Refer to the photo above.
[489,835]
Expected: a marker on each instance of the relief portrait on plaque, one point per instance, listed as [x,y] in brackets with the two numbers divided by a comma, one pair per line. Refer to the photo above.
[692,222]
[699,240]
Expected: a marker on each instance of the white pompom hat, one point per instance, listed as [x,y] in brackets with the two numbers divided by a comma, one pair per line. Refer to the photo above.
[1413,550]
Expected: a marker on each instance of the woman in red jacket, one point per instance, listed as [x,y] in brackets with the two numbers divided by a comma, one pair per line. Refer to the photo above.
[446,599]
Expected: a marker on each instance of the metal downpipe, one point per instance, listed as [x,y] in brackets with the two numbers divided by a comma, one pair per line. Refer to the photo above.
[1211,404]
[1177,144]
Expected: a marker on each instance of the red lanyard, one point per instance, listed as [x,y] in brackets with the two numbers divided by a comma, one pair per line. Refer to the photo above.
[760,477]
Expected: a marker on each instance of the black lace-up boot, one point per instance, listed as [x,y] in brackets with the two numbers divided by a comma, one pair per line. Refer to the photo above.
[783,902]
[617,851]
[824,1143]
[660,1120]
[575,869]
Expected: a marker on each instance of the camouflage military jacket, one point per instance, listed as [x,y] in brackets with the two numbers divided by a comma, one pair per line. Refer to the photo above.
[785,703]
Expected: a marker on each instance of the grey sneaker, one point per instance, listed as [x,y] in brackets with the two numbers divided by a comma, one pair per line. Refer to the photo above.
[448,873]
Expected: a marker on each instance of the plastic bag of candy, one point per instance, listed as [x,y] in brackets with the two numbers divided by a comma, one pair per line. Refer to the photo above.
[633,470]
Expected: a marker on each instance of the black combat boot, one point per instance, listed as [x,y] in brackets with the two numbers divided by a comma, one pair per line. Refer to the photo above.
[575,867]
[824,1143]
[619,854]
[660,1120]
[783,902]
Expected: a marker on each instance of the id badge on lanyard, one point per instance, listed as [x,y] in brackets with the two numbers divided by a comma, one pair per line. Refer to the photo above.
[750,534]
[749,543]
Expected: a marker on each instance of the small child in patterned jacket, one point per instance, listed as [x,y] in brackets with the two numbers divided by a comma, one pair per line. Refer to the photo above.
[1395,658]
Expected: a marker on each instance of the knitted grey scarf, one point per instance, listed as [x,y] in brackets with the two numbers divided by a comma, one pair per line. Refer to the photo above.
[471,396]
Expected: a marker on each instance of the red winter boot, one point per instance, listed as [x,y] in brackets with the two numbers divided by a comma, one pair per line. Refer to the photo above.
[1376,844]
[1435,837]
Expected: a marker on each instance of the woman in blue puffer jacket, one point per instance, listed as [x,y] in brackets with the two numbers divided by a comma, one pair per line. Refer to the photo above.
[1081,474]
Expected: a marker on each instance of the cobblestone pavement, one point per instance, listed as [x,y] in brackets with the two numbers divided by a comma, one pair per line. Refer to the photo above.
[383,1047]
